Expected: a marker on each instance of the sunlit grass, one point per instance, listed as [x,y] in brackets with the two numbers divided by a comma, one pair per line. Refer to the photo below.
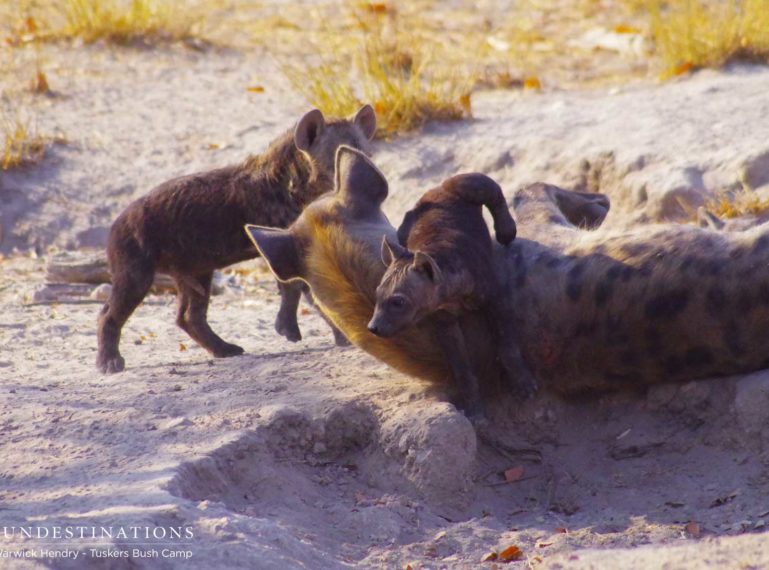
[21,143]
[116,21]
[693,34]
[145,20]
[741,203]
[380,59]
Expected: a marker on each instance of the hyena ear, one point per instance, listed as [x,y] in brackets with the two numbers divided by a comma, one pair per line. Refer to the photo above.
[279,249]
[365,118]
[392,251]
[308,129]
[425,264]
[360,184]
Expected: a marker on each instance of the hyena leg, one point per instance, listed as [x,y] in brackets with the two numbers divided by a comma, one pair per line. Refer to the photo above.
[285,322]
[452,342]
[339,338]
[514,367]
[547,204]
[192,314]
[483,191]
[131,280]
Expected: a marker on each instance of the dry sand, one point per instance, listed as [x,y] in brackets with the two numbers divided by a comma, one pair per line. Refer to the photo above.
[311,456]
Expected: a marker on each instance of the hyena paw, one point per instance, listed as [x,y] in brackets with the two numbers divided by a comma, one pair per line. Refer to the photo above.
[110,364]
[339,338]
[226,350]
[289,330]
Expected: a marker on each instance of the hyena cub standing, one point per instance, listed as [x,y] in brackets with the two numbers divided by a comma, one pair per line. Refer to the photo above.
[189,226]
[445,269]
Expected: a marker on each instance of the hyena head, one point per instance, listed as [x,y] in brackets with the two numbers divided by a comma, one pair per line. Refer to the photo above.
[334,246]
[409,290]
[318,140]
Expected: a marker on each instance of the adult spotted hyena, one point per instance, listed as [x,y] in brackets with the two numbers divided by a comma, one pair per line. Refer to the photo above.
[594,310]
[189,226]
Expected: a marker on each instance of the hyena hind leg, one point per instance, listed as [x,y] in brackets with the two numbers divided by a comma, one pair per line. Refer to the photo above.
[192,317]
[130,284]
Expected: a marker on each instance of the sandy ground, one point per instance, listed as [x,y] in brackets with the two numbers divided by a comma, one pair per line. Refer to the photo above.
[311,456]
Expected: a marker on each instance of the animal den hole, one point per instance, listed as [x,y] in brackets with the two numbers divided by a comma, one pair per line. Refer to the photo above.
[345,476]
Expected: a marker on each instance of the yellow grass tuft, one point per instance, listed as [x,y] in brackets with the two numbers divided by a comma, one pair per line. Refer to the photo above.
[378,60]
[120,22]
[21,144]
[693,34]
[738,204]
[116,21]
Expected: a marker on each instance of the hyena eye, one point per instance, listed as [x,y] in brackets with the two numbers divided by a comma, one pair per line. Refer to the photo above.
[397,302]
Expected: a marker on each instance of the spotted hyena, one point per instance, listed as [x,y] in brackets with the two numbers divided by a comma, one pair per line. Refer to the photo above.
[594,310]
[189,226]
[444,268]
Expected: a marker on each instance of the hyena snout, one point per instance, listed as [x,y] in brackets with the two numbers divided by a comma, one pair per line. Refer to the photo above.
[380,326]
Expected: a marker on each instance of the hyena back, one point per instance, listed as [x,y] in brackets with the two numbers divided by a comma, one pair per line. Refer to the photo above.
[189,226]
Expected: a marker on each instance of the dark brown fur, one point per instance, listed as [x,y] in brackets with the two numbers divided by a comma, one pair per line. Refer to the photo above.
[445,270]
[649,304]
[189,226]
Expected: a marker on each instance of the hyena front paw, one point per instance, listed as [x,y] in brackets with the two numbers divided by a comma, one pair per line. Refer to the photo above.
[287,329]
[226,350]
[110,364]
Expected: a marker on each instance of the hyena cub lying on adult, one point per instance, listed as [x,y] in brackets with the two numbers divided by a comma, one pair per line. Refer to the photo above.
[447,269]
[189,226]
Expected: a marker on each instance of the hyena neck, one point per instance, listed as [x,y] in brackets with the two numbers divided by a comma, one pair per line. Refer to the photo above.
[283,167]
[345,276]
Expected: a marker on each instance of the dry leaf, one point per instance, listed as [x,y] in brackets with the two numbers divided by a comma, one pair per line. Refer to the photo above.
[304,311]
[510,553]
[466,103]
[532,83]
[182,347]
[514,473]
[490,557]
[40,83]
[255,89]
[693,529]
[683,69]
[561,530]
[377,7]
[625,29]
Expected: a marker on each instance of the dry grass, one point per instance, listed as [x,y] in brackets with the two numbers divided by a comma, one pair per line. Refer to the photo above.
[693,34]
[138,20]
[116,21]
[381,58]
[741,203]
[21,143]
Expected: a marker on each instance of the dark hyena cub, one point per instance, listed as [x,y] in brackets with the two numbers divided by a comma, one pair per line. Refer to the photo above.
[445,269]
[189,226]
